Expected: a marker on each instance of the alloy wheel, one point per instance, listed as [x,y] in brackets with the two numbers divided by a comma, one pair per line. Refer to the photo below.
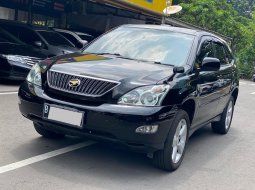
[229,115]
[179,141]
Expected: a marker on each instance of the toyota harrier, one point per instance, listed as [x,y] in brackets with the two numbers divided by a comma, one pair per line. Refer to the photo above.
[145,87]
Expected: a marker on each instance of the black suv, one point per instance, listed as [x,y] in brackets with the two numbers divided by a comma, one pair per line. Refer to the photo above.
[44,39]
[142,86]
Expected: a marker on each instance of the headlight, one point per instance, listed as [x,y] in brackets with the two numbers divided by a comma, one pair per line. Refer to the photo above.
[15,58]
[34,75]
[145,96]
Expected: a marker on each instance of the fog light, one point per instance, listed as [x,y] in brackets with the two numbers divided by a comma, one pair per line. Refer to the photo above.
[148,129]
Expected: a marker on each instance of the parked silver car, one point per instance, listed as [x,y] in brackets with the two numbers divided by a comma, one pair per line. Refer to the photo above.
[79,39]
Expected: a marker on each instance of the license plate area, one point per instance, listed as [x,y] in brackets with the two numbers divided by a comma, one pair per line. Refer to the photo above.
[63,115]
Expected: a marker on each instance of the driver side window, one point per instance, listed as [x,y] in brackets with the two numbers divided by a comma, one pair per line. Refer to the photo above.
[206,50]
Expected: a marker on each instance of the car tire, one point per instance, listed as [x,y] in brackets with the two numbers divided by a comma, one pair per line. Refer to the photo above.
[223,126]
[47,133]
[170,158]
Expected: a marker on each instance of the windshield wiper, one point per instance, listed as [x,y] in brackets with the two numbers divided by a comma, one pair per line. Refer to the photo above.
[116,54]
[160,63]
[123,57]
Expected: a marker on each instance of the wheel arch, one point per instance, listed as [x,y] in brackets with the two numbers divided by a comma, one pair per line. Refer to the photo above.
[235,94]
[189,106]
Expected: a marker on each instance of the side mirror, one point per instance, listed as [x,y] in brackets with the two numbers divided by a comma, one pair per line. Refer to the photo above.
[84,42]
[38,44]
[210,64]
[178,70]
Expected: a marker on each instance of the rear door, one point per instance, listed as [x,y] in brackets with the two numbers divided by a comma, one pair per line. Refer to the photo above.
[226,73]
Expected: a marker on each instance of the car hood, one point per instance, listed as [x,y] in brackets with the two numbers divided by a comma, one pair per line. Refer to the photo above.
[20,49]
[132,72]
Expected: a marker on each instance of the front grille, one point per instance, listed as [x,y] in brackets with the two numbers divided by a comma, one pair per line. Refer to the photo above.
[89,86]
[31,60]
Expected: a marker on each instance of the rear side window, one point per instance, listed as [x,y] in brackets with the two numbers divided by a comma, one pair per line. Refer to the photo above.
[54,38]
[228,54]
[220,53]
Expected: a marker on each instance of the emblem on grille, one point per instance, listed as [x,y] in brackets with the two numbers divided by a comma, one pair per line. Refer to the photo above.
[74,82]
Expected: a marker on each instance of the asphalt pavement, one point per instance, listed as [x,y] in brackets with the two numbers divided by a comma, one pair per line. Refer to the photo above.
[29,162]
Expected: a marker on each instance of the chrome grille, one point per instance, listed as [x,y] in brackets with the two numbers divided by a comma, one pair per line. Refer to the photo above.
[89,86]
[31,60]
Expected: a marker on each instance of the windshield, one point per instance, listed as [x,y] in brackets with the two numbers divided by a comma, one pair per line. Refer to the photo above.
[55,39]
[9,38]
[152,45]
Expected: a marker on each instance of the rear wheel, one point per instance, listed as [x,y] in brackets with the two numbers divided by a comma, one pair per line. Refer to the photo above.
[47,133]
[170,158]
[223,126]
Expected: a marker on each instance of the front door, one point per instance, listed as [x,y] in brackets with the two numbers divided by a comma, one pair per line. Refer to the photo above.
[207,87]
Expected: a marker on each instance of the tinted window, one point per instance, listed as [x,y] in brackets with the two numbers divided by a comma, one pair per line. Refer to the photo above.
[14,30]
[72,39]
[22,33]
[55,39]
[220,53]
[206,50]
[28,36]
[144,44]
[7,37]
[228,54]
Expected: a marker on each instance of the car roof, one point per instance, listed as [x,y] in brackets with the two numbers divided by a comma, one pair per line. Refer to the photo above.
[198,33]
[74,32]
[83,34]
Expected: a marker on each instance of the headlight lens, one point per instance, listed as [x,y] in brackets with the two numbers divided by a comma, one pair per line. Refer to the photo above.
[34,75]
[15,58]
[145,96]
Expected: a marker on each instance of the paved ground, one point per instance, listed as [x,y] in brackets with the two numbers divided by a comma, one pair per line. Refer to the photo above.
[211,162]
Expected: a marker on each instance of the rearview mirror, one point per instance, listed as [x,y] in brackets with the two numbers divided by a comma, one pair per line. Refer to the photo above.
[38,43]
[210,64]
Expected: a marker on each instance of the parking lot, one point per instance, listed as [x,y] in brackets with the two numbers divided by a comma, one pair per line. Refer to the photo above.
[28,161]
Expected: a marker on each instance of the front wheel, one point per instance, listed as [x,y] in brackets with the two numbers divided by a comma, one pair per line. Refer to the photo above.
[223,126]
[170,158]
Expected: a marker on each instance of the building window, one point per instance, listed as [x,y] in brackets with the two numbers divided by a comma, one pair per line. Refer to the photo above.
[22,16]
[8,14]
[39,20]
[50,22]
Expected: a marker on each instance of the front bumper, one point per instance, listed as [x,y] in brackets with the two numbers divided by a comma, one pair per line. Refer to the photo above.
[107,122]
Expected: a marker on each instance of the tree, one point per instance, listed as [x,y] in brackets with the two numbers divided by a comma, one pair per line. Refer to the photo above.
[244,7]
[222,17]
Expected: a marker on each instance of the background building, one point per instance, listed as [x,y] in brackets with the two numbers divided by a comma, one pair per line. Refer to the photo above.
[91,16]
